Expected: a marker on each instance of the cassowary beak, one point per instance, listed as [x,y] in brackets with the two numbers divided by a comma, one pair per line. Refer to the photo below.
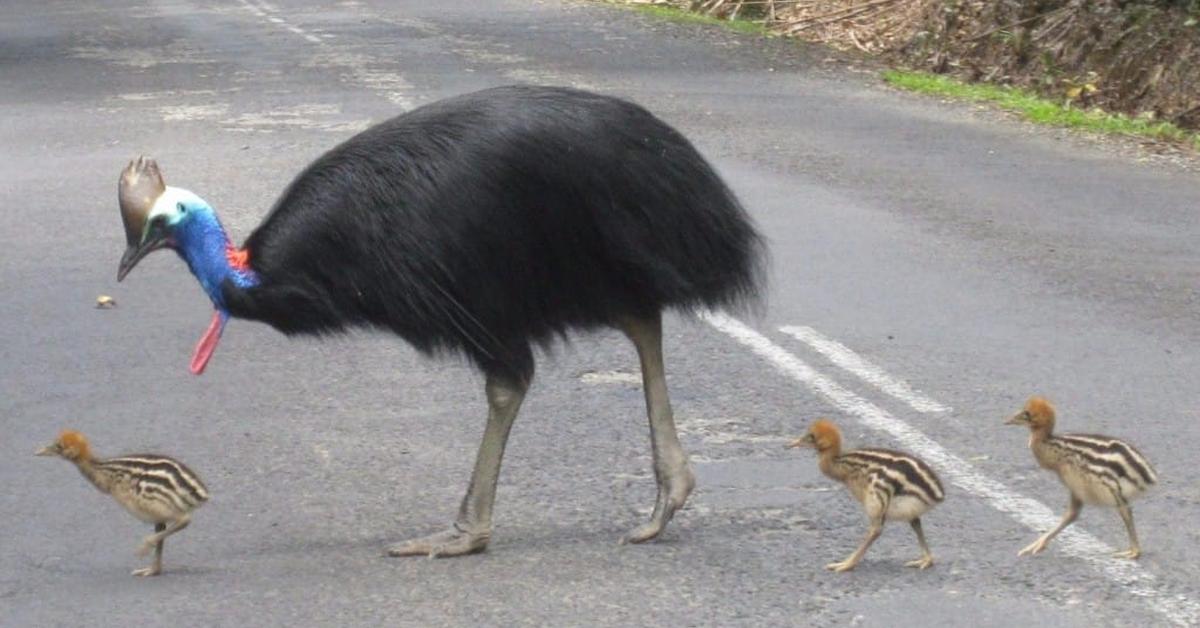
[140,186]
[155,238]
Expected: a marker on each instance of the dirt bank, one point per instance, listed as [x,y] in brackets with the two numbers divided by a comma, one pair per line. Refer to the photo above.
[1140,58]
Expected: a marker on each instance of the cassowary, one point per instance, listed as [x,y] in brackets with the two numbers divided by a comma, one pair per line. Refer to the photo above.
[481,224]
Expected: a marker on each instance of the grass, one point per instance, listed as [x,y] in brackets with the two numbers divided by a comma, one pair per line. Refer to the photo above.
[1038,109]
[676,14]
[1024,102]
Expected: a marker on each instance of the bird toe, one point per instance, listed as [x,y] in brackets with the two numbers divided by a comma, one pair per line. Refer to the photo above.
[452,542]
[925,562]
[840,567]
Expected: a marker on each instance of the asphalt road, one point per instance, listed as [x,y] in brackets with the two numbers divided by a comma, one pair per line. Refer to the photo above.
[975,259]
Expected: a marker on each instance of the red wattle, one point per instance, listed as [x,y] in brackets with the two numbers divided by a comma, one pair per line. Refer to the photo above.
[208,343]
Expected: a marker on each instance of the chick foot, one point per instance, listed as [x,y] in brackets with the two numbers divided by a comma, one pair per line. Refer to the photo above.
[924,562]
[1132,553]
[1033,548]
[839,567]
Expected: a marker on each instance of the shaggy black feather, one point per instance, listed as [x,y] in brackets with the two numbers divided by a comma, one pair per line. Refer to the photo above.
[485,222]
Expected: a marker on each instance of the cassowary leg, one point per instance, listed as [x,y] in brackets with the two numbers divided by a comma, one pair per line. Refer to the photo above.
[473,527]
[674,478]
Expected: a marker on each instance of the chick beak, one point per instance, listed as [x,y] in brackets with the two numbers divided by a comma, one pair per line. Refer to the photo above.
[799,442]
[1014,420]
[48,450]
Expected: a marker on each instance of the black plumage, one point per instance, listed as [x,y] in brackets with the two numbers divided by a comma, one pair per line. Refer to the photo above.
[482,224]
[497,219]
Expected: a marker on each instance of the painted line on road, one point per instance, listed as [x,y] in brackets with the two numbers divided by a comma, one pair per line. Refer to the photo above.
[843,356]
[265,10]
[1176,608]
[392,85]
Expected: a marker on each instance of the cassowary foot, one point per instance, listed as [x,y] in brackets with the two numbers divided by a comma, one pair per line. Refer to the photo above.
[672,495]
[452,542]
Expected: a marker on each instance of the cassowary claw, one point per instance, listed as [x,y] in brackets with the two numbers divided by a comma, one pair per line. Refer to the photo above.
[452,542]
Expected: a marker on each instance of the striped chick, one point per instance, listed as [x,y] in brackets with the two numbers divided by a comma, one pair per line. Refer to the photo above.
[1096,470]
[889,484]
[153,488]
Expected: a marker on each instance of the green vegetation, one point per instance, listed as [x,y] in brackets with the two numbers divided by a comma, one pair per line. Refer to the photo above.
[675,14]
[1039,109]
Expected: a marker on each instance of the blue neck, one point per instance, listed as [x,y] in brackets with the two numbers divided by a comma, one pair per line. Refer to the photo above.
[202,243]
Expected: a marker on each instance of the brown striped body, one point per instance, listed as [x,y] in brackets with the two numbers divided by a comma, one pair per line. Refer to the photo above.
[891,485]
[1098,470]
[156,489]
[153,488]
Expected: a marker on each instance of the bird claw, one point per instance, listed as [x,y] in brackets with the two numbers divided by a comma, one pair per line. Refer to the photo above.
[452,542]
[922,563]
[642,533]
[1132,553]
[1033,548]
[673,492]
[146,571]
[839,567]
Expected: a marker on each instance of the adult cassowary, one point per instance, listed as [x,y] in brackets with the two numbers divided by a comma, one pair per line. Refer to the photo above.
[480,224]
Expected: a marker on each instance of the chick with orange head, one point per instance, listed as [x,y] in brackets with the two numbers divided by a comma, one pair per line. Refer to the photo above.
[889,484]
[154,488]
[1098,470]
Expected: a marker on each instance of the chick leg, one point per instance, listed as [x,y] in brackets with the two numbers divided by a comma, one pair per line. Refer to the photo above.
[926,559]
[153,540]
[674,478]
[472,529]
[848,564]
[1040,544]
[1135,549]
[156,568]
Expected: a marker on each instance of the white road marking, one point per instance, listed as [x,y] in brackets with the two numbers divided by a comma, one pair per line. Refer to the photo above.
[1176,608]
[393,86]
[612,377]
[265,10]
[846,358]
[173,113]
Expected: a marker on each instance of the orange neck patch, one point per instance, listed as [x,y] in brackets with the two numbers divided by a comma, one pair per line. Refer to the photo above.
[239,259]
